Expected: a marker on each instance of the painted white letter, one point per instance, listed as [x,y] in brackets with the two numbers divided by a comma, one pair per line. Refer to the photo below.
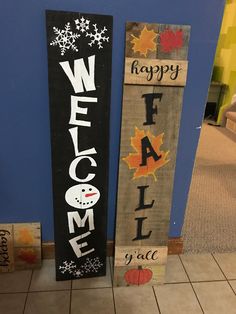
[77,247]
[76,109]
[81,77]
[75,217]
[74,135]
[73,165]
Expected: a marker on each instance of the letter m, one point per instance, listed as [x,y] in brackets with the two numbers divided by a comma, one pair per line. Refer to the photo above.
[74,217]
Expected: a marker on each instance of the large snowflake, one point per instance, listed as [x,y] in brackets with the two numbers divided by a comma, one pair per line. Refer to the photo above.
[65,39]
[92,265]
[68,267]
[82,24]
[97,37]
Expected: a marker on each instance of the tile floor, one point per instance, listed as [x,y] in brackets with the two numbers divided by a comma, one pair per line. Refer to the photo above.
[201,283]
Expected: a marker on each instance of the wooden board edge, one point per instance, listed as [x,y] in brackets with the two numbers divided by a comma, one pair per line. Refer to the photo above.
[175,246]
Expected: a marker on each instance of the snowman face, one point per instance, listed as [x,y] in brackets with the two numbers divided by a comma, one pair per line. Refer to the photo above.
[82,196]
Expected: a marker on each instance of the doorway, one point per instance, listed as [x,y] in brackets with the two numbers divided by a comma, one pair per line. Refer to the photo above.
[210,218]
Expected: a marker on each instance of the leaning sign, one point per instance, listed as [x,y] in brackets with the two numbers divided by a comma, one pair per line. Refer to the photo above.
[79,69]
[155,75]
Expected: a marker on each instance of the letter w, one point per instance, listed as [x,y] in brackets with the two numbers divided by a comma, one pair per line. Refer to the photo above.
[81,78]
[75,217]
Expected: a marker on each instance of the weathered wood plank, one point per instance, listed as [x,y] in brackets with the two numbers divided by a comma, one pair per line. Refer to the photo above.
[137,276]
[27,235]
[141,71]
[21,246]
[149,137]
[6,248]
[132,256]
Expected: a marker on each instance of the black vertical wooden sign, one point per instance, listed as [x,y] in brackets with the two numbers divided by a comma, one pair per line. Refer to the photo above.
[79,69]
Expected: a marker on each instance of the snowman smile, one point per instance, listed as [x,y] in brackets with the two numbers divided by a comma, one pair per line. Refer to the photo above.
[90,194]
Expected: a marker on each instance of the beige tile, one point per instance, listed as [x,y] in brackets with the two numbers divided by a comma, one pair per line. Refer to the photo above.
[135,300]
[17,281]
[50,302]
[201,267]
[90,301]
[44,279]
[177,299]
[233,285]
[227,262]
[216,297]
[12,303]
[174,270]
[95,282]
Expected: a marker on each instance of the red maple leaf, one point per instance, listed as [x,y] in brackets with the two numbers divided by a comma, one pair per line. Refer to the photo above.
[170,40]
[28,255]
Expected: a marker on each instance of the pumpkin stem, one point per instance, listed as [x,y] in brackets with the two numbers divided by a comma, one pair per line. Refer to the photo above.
[140,267]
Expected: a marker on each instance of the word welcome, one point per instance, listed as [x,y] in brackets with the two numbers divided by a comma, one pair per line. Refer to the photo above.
[82,196]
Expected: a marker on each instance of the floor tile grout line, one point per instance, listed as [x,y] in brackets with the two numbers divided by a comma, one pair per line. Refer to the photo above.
[193,281]
[113,294]
[191,284]
[26,298]
[155,296]
[223,273]
[70,296]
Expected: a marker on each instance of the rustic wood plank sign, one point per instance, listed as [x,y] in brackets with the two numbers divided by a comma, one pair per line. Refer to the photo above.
[155,75]
[20,246]
[79,66]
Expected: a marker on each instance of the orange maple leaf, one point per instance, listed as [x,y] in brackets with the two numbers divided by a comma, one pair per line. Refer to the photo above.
[144,42]
[134,159]
[25,236]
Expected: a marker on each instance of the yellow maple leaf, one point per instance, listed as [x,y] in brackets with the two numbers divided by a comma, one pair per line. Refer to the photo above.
[144,42]
[134,160]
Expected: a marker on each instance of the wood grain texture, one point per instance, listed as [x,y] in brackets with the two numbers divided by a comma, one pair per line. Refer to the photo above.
[151,111]
[132,256]
[23,242]
[27,246]
[141,71]
[6,248]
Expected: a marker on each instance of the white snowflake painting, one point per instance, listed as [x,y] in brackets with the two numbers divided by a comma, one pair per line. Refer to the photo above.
[97,37]
[90,266]
[65,39]
[82,24]
[67,267]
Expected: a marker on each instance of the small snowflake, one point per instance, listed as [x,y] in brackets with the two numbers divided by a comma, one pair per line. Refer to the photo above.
[78,273]
[82,24]
[97,36]
[67,267]
[92,265]
[65,39]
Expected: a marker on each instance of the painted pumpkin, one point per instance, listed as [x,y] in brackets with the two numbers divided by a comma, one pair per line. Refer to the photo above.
[138,276]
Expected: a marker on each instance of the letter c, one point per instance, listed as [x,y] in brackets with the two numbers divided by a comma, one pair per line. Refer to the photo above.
[73,165]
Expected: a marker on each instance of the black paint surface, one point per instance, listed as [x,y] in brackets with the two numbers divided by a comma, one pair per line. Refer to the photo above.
[97,136]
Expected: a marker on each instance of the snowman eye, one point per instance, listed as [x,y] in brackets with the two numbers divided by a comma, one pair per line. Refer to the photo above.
[83,190]
[90,189]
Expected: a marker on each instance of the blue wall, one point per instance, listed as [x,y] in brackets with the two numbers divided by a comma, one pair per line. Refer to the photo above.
[25,172]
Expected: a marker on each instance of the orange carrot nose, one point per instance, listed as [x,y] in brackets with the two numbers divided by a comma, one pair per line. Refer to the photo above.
[90,194]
